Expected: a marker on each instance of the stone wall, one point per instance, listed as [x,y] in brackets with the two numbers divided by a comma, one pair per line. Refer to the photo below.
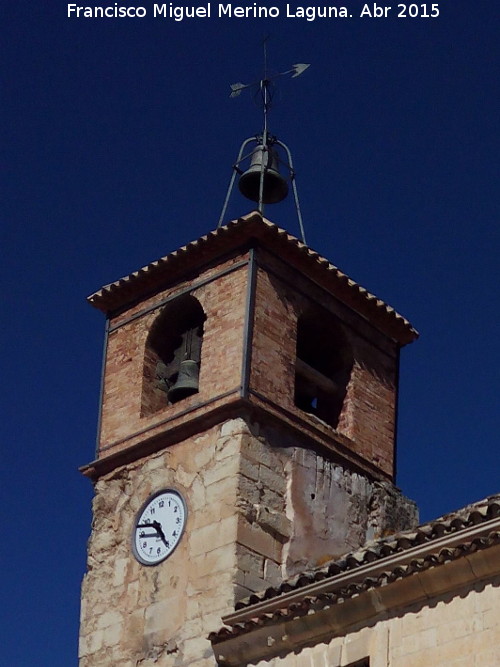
[133,615]
[252,521]
[300,509]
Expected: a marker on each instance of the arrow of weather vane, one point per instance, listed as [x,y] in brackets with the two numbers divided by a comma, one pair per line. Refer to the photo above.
[295,71]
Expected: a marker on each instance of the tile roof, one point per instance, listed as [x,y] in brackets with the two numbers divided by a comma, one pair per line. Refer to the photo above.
[228,237]
[452,536]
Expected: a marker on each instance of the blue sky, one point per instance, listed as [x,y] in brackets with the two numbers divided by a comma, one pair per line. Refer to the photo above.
[118,140]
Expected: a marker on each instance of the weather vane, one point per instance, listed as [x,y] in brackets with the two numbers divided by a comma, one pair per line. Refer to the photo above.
[262,182]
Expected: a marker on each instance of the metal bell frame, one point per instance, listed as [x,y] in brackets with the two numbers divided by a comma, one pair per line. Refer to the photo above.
[267,142]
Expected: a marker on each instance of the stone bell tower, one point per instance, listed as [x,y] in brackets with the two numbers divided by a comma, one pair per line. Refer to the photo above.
[246,433]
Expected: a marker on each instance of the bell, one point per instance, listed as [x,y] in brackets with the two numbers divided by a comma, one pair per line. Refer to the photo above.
[187,381]
[275,186]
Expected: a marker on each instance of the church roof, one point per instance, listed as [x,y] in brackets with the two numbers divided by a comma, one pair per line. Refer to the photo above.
[453,536]
[238,233]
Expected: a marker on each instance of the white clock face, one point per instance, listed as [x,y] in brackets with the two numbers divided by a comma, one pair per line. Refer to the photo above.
[159,527]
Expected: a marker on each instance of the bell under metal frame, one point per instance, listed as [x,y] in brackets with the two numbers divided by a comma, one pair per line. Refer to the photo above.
[263,151]
[265,142]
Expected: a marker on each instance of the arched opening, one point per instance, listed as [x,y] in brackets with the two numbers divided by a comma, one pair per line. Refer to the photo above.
[323,365]
[173,354]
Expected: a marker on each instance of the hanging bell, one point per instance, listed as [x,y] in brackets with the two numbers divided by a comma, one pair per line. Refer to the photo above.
[275,186]
[187,381]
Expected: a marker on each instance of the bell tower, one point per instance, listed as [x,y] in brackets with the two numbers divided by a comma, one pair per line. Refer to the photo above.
[246,433]
[247,426]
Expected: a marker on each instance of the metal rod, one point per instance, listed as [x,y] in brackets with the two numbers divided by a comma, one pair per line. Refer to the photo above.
[231,182]
[186,290]
[265,152]
[249,322]
[234,391]
[101,388]
[261,178]
[396,419]
[294,188]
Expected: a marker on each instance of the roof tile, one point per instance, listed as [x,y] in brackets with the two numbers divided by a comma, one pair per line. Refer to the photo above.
[449,524]
[118,294]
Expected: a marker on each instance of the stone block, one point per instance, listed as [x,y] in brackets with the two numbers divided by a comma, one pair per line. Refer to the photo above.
[356,647]
[159,616]
[198,648]
[222,491]
[249,561]
[215,600]
[249,468]
[227,468]
[109,618]
[184,478]
[222,559]
[93,642]
[133,632]
[248,490]
[251,582]
[234,427]
[197,496]
[276,481]
[272,500]
[120,570]
[206,539]
[193,628]
[333,653]
[256,539]
[212,513]
[272,572]
[202,457]
[227,446]
[275,522]
[211,622]
[154,463]
[112,635]
[256,451]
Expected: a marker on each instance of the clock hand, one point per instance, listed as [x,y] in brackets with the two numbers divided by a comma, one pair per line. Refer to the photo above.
[157,525]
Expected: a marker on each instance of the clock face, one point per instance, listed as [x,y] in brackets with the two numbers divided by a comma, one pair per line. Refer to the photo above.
[158,527]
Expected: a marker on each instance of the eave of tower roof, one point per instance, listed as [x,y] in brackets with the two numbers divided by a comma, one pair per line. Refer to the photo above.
[248,229]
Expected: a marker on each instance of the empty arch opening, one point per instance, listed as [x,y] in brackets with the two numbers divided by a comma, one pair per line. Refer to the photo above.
[323,365]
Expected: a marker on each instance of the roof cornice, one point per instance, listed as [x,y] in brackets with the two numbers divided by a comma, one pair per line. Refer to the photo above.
[252,229]
[319,619]
[472,532]
[345,579]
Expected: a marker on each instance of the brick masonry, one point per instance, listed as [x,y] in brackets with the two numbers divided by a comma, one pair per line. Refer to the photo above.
[224,304]
[366,429]
[368,416]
